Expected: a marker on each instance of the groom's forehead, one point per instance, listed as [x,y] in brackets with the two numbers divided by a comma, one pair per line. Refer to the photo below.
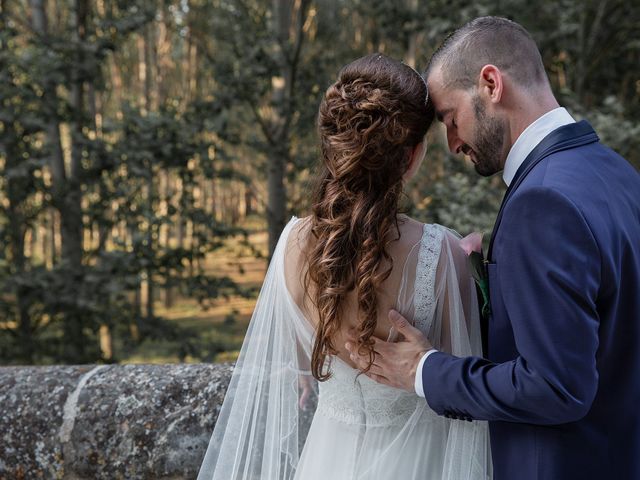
[436,87]
[443,101]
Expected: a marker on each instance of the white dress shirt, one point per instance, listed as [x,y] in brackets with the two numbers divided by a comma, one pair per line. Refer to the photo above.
[522,147]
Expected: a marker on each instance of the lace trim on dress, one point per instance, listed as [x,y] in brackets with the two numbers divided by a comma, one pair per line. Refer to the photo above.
[375,414]
[358,400]
[428,257]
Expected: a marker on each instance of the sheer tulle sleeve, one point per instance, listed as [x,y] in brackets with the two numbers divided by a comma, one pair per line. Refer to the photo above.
[456,324]
[456,330]
[261,426]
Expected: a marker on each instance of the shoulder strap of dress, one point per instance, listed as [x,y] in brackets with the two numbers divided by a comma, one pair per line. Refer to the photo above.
[424,287]
[418,272]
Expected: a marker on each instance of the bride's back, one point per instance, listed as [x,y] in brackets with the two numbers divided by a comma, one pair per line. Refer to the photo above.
[365,428]
[403,266]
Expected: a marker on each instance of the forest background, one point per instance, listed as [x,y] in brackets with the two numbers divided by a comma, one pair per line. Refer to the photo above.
[152,150]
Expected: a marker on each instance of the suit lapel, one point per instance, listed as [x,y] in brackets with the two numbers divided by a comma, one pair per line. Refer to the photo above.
[563,138]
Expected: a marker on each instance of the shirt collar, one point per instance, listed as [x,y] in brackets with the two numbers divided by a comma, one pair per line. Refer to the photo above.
[531,137]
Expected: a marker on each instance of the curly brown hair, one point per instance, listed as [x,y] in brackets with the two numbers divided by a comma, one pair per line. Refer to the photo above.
[369,122]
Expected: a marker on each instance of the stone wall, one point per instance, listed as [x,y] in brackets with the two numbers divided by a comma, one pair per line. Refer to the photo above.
[108,422]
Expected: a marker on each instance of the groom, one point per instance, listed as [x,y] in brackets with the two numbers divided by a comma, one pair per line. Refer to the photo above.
[561,384]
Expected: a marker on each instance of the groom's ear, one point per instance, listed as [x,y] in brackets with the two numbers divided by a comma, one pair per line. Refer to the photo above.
[491,83]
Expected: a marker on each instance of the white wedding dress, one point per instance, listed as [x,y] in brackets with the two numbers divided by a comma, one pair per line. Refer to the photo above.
[360,429]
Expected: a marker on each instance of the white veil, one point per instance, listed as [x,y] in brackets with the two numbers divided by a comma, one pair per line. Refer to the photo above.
[261,429]
[456,329]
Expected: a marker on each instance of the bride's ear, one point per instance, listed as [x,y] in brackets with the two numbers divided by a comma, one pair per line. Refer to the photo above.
[417,156]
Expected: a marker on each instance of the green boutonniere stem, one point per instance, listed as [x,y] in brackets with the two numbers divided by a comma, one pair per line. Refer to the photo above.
[479,272]
[486,306]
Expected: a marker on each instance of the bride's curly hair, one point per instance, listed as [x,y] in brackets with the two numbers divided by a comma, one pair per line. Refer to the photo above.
[369,122]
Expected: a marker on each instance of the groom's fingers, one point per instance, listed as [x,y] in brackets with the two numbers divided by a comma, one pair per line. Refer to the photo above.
[384,351]
[379,379]
[376,369]
[380,370]
[359,361]
[362,362]
[356,358]
[403,326]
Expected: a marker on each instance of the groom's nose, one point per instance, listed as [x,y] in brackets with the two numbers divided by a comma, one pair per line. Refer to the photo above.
[455,144]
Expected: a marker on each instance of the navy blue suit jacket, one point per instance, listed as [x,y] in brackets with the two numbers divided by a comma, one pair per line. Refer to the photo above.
[561,384]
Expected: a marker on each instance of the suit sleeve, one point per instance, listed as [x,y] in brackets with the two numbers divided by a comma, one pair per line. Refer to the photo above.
[549,273]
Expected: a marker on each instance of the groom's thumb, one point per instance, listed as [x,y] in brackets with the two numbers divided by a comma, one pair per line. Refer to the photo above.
[402,325]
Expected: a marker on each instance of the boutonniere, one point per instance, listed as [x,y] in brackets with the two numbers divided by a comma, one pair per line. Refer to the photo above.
[472,246]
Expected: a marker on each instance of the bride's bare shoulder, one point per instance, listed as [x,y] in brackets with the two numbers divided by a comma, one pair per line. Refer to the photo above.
[411,231]
[299,236]
[295,259]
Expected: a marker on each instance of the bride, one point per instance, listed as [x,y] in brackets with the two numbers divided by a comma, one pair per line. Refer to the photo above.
[333,278]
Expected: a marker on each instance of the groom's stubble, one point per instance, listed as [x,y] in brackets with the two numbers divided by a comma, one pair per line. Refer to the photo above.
[489,140]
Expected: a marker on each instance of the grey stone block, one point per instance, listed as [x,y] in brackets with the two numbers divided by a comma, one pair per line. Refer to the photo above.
[108,422]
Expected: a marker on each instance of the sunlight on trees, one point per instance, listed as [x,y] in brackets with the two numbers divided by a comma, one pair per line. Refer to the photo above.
[138,138]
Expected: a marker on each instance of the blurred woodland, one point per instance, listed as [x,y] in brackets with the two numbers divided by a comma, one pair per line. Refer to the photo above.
[152,150]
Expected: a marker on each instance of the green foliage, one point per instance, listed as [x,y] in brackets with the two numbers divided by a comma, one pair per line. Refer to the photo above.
[43,308]
[187,92]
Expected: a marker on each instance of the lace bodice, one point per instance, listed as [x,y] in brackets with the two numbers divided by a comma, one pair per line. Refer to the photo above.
[356,399]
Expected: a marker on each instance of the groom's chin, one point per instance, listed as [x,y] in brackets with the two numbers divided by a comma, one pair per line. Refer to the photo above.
[484,170]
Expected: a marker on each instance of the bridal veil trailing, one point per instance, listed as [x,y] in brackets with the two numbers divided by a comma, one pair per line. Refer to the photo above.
[359,429]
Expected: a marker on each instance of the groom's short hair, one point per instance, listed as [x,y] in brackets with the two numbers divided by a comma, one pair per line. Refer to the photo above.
[488,40]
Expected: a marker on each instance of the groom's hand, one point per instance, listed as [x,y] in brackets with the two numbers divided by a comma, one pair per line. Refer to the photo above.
[394,364]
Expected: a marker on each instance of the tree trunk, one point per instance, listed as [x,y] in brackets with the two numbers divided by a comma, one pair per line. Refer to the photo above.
[135,325]
[277,198]
[106,343]
[162,57]
[150,61]
[43,236]
[105,336]
[166,232]
[116,82]
[66,193]
[150,247]
[71,201]
[52,238]
[56,159]
[588,33]
[214,198]
[144,79]
[413,36]
[17,226]
[150,104]
[192,64]
[179,220]
[72,228]
[287,28]
[17,232]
